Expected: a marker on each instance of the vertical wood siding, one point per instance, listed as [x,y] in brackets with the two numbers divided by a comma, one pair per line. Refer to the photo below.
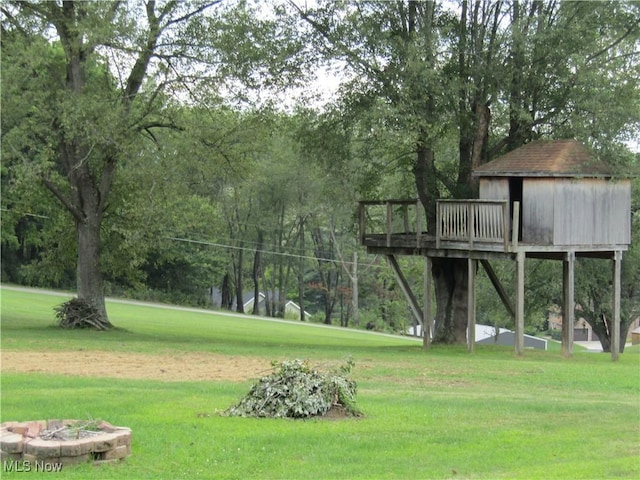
[592,212]
[569,211]
[494,188]
[538,198]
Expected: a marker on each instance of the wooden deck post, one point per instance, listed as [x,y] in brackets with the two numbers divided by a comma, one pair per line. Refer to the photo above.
[471,304]
[519,343]
[615,328]
[438,224]
[568,308]
[426,313]
[389,223]
[515,224]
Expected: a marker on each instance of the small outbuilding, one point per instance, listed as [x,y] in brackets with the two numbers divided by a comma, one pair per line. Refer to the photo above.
[551,199]
[563,203]
[567,197]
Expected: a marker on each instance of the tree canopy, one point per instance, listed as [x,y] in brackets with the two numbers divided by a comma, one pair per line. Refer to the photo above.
[164,148]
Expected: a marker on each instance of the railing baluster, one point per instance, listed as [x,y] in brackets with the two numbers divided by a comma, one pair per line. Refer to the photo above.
[471,221]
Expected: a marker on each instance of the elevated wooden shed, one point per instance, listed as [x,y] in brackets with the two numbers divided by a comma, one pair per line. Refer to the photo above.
[547,199]
[567,197]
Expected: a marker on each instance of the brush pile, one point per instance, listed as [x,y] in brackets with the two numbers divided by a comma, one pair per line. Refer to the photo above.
[294,390]
[78,313]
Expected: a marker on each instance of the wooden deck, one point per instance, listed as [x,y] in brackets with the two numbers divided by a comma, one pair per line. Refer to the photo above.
[395,226]
[477,229]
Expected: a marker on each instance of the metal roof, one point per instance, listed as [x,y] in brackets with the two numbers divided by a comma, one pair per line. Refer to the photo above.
[546,158]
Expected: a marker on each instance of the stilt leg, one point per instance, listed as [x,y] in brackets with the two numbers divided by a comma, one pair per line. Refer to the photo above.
[568,307]
[519,343]
[426,319]
[615,328]
[471,305]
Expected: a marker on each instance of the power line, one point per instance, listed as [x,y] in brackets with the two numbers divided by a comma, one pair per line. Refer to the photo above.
[222,245]
[283,254]
[10,210]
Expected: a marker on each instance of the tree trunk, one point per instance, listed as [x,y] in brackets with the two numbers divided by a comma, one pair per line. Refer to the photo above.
[89,277]
[603,330]
[450,275]
[257,269]
[238,272]
[226,301]
[450,279]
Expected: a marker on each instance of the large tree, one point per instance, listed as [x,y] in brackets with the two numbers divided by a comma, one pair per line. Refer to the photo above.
[494,75]
[92,78]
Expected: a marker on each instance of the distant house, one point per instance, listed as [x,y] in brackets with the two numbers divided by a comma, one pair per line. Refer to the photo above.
[582,331]
[489,335]
[291,309]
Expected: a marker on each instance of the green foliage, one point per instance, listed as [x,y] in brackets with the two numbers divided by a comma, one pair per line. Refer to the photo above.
[295,390]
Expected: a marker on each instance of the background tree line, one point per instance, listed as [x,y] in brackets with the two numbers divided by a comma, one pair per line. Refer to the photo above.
[146,150]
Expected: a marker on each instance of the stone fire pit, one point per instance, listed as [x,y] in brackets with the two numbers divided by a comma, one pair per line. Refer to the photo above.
[63,442]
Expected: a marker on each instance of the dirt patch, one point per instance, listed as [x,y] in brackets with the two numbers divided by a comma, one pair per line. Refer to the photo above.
[195,366]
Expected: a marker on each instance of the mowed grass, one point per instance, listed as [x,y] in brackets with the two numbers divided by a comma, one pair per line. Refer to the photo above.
[440,413]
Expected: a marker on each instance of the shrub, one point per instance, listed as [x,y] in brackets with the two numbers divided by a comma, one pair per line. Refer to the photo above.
[294,390]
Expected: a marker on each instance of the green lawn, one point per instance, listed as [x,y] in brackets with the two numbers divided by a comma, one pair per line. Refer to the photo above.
[440,413]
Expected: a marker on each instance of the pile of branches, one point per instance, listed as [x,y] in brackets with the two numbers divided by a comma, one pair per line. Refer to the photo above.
[90,428]
[78,313]
[294,390]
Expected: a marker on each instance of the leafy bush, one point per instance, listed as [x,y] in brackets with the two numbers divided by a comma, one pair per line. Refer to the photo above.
[294,390]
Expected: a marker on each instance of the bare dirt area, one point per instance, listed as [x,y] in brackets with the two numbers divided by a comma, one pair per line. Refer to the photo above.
[170,368]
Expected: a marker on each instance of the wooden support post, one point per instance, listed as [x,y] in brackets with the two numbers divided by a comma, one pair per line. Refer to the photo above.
[515,224]
[406,289]
[438,224]
[418,223]
[427,318]
[569,303]
[471,304]
[519,342]
[389,223]
[615,328]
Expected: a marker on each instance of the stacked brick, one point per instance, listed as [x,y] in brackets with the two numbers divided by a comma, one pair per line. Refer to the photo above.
[21,441]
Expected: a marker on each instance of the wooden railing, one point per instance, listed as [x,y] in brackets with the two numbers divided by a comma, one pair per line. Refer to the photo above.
[472,221]
[394,217]
[460,224]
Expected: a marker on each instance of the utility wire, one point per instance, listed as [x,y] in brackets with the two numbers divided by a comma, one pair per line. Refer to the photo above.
[283,254]
[222,245]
